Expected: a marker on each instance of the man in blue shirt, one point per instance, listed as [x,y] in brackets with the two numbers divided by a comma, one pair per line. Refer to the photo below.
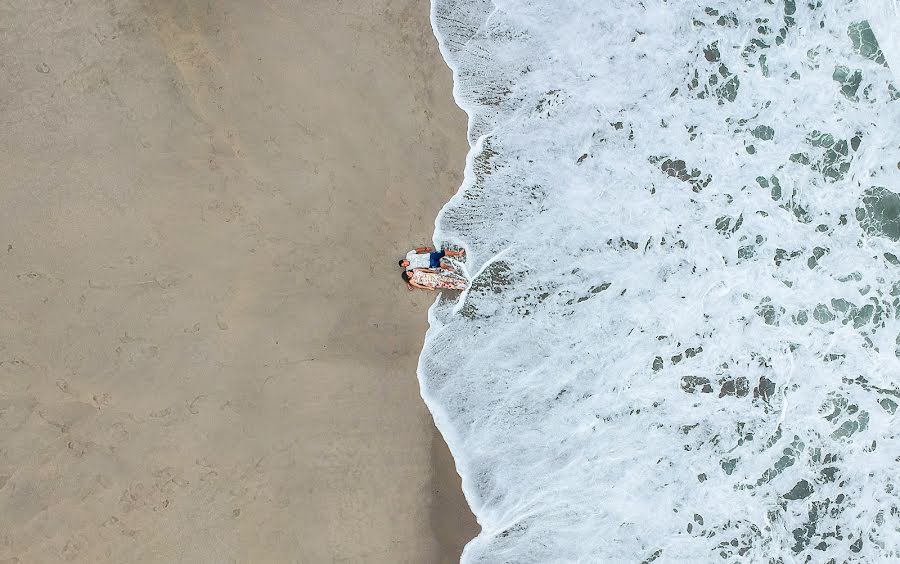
[427,257]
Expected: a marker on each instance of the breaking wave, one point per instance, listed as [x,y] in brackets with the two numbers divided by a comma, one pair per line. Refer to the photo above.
[682,338]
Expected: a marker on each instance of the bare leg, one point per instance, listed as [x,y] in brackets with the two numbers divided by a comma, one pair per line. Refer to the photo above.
[453,253]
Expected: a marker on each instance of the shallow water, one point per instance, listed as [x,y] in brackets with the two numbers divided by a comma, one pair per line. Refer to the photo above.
[681,342]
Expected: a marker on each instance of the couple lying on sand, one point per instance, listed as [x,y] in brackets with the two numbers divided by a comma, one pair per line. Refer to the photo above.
[426,268]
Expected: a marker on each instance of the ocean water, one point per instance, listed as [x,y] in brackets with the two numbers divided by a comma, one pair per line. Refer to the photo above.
[682,338]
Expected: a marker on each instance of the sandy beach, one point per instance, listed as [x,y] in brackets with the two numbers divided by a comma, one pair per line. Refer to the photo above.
[206,350]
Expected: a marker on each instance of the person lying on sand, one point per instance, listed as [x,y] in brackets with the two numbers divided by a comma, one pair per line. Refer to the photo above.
[433,279]
[427,257]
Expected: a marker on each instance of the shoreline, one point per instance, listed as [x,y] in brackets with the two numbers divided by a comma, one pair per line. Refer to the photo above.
[211,354]
[451,517]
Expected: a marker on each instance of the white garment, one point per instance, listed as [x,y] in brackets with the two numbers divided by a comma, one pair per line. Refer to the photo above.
[417,260]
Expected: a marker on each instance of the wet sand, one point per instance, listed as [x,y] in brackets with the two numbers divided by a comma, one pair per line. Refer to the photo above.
[206,351]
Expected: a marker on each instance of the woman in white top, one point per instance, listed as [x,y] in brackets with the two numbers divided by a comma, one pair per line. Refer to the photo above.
[433,279]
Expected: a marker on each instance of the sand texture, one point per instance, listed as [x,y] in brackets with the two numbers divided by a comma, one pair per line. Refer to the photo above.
[206,351]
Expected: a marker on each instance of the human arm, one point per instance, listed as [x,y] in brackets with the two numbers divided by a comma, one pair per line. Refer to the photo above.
[417,285]
[423,250]
[413,284]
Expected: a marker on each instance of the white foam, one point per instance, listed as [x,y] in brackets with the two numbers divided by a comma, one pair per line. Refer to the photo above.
[571,381]
[884,15]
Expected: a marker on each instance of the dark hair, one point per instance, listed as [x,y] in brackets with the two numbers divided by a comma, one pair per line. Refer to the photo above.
[400,262]
[405,276]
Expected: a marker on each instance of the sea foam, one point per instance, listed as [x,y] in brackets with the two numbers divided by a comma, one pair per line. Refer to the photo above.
[682,338]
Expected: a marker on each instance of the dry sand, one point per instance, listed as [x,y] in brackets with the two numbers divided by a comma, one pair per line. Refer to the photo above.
[206,351]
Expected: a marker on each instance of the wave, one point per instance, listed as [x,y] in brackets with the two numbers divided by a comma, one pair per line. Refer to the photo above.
[681,341]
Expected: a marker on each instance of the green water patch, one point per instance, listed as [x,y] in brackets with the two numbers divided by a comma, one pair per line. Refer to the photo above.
[737,387]
[801,490]
[879,214]
[728,465]
[721,84]
[814,517]
[738,538]
[764,390]
[822,314]
[694,384]
[827,155]
[849,313]
[770,314]
[495,279]
[498,278]
[769,32]
[530,300]
[548,103]
[863,383]
[592,291]
[864,42]
[690,352]
[754,51]
[790,8]
[728,91]
[711,52]
[725,20]
[677,168]
[873,94]
[804,534]
[848,417]
[483,166]
[789,202]
[727,226]
[763,132]
[849,80]
[794,206]
[818,253]
[656,554]
[788,457]
[748,250]
[770,182]
[713,79]
[623,244]
[782,255]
